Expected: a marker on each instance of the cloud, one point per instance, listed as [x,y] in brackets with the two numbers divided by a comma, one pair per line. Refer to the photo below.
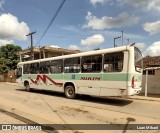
[153,50]
[94,2]
[54,46]
[153,4]
[70,28]
[11,28]
[1,4]
[146,5]
[152,28]
[124,19]
[4,42]
[141,46]
[96,39]
[73,47]
[135,3]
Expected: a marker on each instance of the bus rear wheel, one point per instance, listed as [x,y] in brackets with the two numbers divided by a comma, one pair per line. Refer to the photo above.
[70,92]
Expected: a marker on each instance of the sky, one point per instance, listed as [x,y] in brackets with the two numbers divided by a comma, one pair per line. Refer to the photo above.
[82,24]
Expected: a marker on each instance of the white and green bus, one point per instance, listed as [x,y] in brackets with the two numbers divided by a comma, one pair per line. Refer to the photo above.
[108,72]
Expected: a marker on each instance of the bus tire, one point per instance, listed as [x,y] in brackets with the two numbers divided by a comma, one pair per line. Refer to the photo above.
[27,87]
[70,92]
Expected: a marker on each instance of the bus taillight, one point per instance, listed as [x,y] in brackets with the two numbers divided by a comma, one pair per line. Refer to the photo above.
[132,82]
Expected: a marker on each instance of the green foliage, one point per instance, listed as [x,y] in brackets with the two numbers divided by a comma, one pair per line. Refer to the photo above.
[8,57]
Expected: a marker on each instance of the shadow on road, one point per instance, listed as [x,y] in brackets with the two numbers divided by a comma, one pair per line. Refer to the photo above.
[127,126]
[116,101]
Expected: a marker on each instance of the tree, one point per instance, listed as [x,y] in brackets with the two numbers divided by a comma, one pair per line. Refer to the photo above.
[8,57]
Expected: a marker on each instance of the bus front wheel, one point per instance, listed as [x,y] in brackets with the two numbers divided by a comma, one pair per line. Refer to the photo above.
[70,92]
[27,87]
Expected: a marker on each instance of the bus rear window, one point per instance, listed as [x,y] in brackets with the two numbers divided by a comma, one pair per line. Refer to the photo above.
[138,60]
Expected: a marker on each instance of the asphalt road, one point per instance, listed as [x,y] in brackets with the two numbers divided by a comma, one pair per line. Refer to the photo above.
[41,107]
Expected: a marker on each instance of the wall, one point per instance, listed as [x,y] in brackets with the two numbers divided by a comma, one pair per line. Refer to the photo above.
[8,77]
[153,83]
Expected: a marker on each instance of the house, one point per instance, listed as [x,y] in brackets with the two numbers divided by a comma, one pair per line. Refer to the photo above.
[44,52]
[152,67]
[38,53]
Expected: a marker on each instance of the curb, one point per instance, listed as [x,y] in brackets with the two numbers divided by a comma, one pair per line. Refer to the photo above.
[144,98]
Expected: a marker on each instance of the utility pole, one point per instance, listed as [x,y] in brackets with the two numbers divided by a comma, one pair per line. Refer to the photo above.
[115,41]
[146,82]
[128,41]
[30,34]
[122,37]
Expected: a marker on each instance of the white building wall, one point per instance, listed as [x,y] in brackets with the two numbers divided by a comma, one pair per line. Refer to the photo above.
[153,83]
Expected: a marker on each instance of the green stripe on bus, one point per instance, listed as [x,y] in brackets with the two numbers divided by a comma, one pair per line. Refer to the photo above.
[115,77]
[79,76]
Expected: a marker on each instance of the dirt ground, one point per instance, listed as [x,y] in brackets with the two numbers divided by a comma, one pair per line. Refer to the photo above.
[81,115]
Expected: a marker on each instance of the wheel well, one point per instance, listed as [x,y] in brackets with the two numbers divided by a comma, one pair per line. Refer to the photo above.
[26,83]
[68,83]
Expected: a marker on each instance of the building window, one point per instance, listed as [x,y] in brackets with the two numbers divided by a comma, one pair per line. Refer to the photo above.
[56,66]
[72,65]
[26,68]
[92,63]
[44,67]
[34,68]
[150,72]
[113,62]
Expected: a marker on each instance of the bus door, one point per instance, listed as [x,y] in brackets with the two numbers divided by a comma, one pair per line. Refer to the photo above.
[114,78]
[91,75]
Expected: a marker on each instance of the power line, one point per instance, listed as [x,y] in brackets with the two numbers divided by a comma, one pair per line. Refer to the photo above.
[53,18]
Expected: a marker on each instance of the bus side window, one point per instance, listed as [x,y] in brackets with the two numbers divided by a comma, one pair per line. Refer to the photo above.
[113,62]
[26,68]
[56,66]
[44,67]
[34,67]
[72,65]
[92,63]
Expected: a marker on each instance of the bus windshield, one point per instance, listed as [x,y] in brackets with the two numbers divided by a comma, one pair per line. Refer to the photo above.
[19,72]
[138,60]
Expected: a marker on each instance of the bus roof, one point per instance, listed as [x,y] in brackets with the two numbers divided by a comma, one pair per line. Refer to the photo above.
[95,52]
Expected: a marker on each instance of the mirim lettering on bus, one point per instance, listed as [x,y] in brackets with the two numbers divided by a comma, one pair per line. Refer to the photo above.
[90,78]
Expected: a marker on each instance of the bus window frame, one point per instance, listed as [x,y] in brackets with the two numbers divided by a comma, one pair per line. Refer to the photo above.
[72,65]
[111,63]
[29,68]
[19,72]
[61,65]
[37,70]
[135,62]
[46,65]
[84,66]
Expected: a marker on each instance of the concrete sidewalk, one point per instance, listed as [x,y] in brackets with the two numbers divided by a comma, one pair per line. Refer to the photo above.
[150,97]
